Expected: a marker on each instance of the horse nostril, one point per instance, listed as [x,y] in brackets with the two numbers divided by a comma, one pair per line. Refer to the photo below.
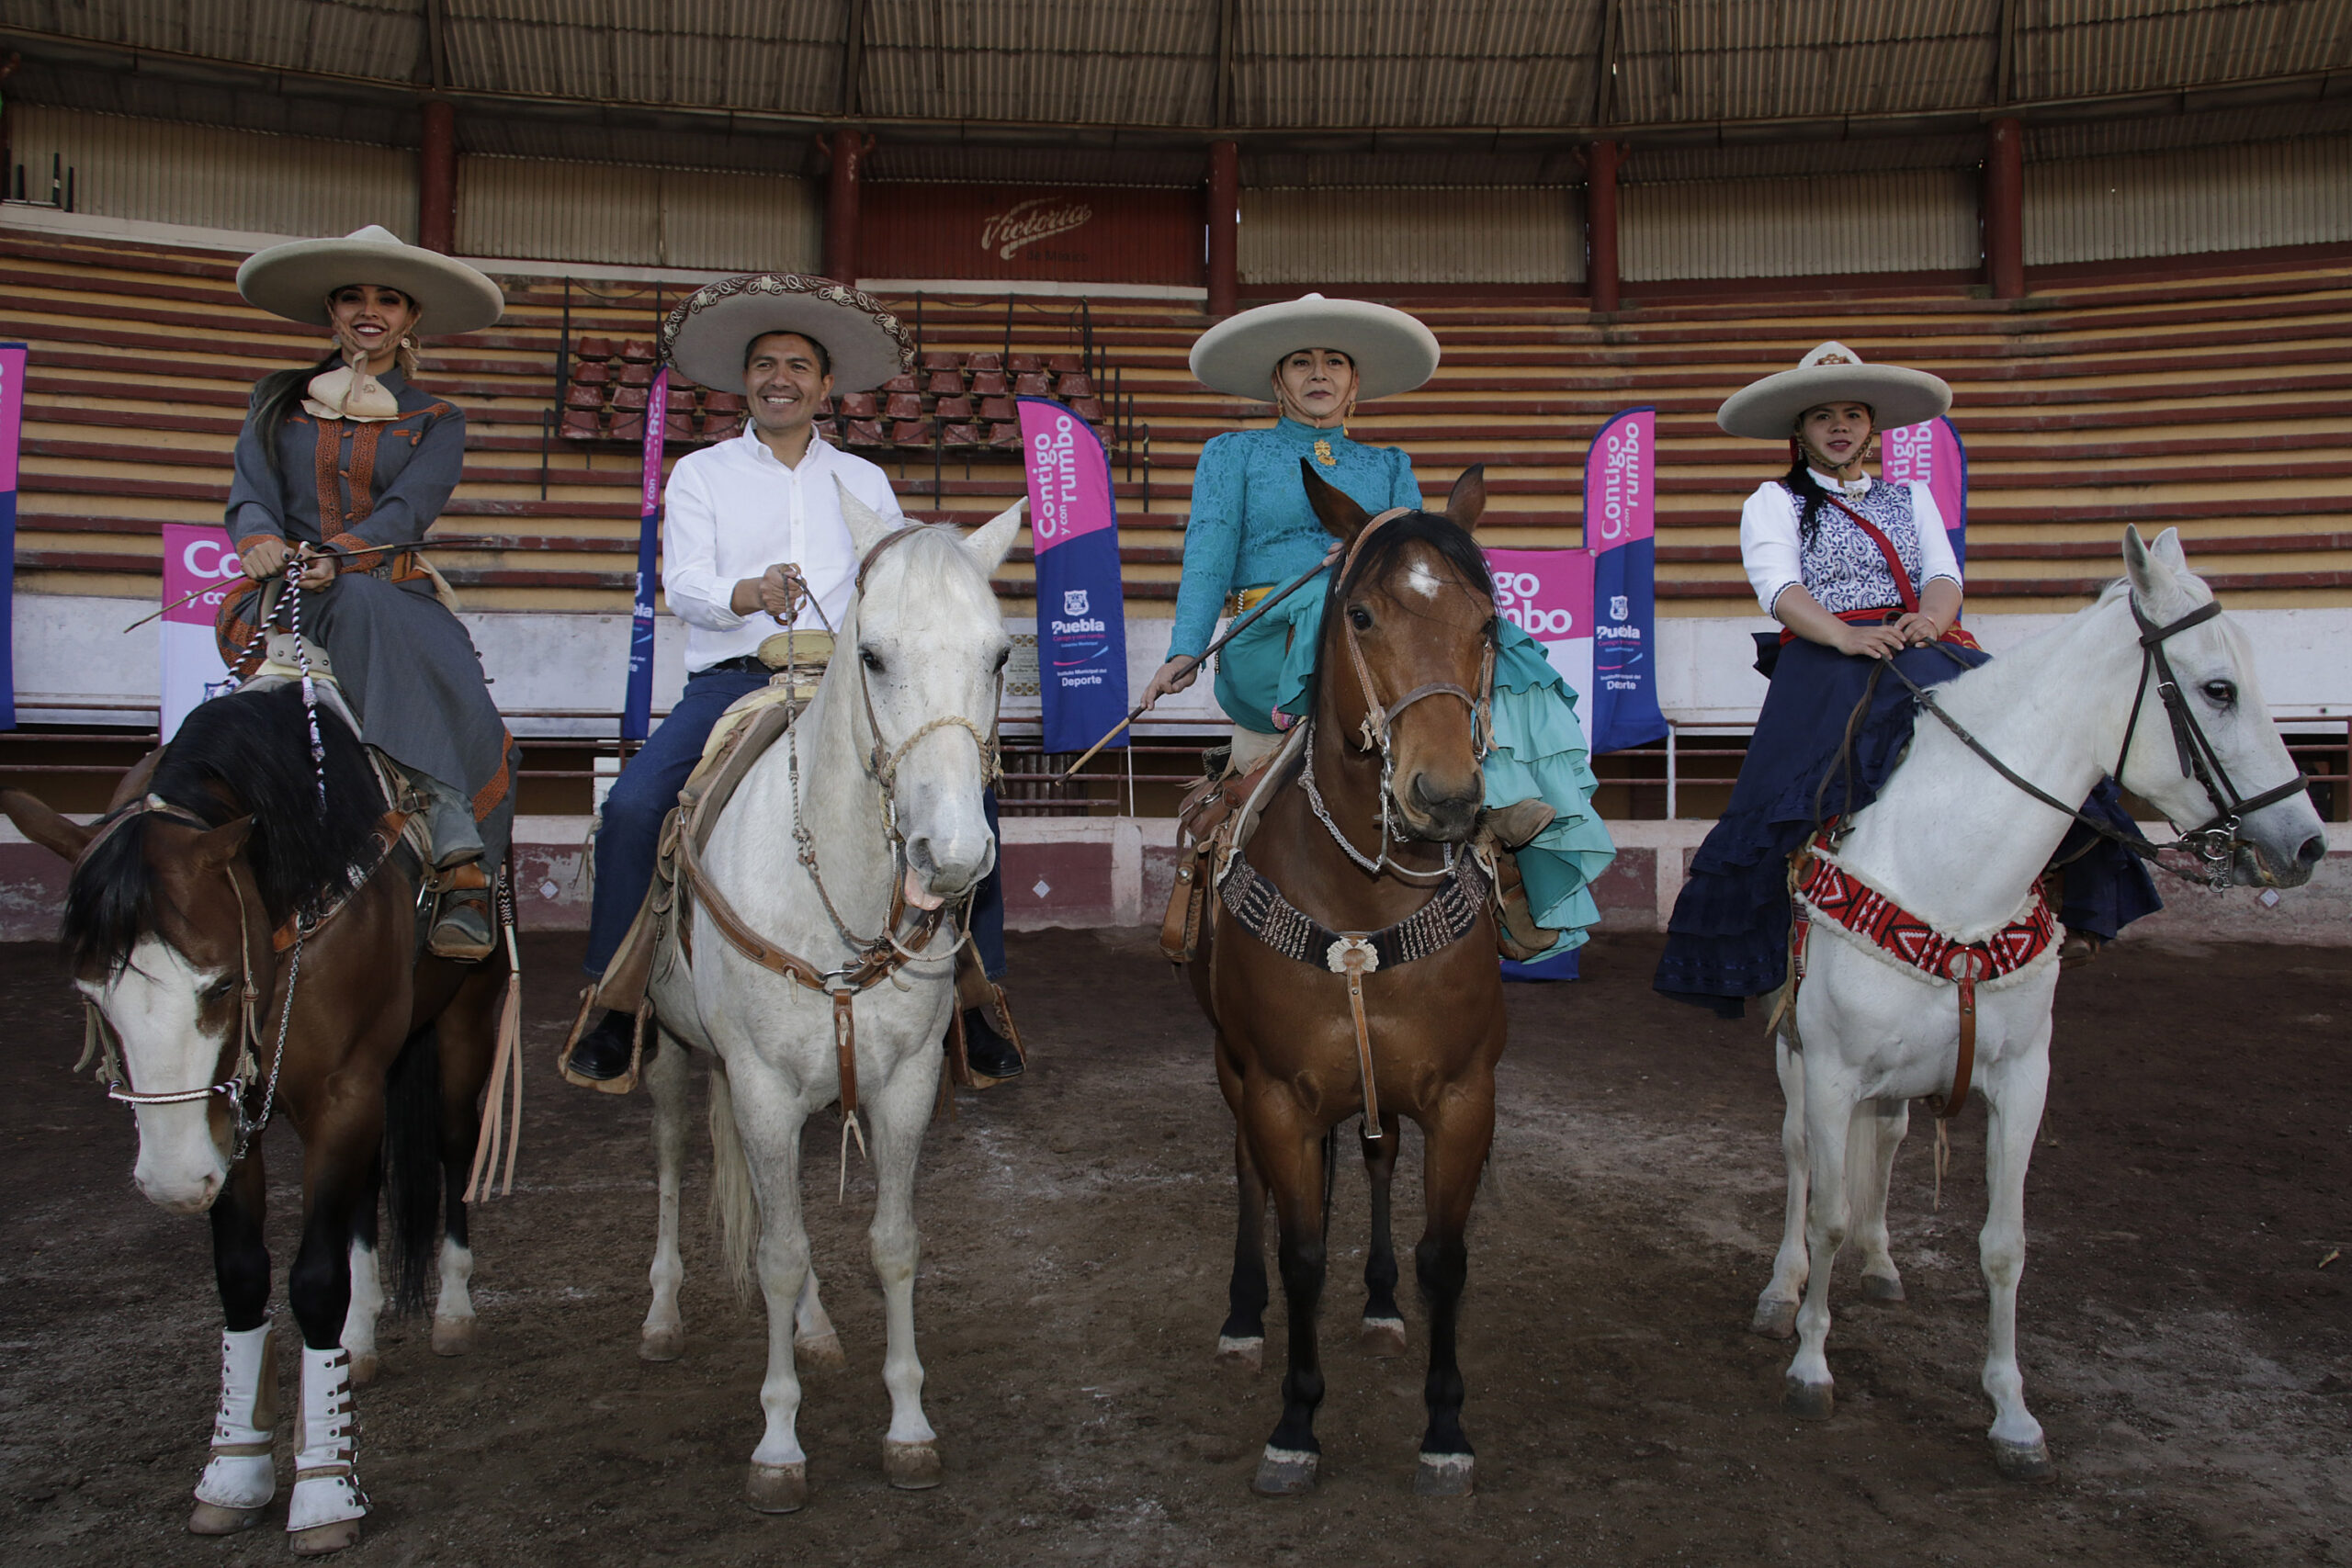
[2313,850]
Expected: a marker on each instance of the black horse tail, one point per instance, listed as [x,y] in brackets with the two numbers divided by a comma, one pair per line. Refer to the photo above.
[413,1175]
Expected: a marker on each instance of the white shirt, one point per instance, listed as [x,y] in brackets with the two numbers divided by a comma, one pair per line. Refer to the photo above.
[1770,550]
[733,510]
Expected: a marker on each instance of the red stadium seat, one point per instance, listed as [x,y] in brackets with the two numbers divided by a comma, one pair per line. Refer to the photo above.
[630,400]
[979,362]
[593,373]
[635,375]
[903,381]
[597,348]
[682,426]
[867,433]
[1005,437]
[581,396]
[953,408]
[626,427]
[996,411]
[963,437]
[857,405]
[988,384]
[637,350]
[1066,365]
[1024,364]
[945,383]
[1033,384]
[1086,409]
[723,402]
[910,433]
[583,424]
[1073,385]
[904,405]
[940,359]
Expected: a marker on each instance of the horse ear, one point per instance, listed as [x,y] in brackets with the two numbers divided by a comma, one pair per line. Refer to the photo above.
[2167,550]
[868,527]
[992,540]
[1336,507]
[57,834]
[135,783]
[2146,573]
[1467,500]
[215,847]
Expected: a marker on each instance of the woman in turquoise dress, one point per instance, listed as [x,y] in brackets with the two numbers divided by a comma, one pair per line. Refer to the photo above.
[1251,530]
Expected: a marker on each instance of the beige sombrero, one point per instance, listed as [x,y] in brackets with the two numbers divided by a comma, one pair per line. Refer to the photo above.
[293,280]
[706,336]
[1768,410]
[1393,351]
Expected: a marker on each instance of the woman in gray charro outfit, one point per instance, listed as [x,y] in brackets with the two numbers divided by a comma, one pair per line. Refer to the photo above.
[344,465]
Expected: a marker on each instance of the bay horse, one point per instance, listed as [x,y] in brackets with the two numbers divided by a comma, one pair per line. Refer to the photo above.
[1368,836]
[246,951]
[1952,850]
[812,963]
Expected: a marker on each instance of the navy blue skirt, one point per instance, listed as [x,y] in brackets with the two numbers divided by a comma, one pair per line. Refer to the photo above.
[1729,936]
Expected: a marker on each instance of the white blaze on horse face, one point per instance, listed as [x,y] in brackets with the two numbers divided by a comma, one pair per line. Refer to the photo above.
[1422,580]
[152,1001]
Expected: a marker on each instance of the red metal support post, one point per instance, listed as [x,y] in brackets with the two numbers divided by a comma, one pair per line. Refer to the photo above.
[1225,227]
[436,179]
[841,206]
[1600,224]
[2005,209]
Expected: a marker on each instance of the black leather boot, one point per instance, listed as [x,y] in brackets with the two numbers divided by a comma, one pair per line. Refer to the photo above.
[989,1055]
[602,1053]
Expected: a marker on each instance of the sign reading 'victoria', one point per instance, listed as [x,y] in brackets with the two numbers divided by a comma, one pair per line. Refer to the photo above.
[1027,222]
[939,230]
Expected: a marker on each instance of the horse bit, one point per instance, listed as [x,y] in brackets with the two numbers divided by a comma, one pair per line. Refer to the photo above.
[1379,721]
[2215,843]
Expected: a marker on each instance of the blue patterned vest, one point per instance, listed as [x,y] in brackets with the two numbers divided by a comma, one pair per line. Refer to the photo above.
[1843,569]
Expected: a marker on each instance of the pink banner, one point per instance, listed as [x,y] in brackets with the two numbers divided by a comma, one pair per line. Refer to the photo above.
[1621,483]
[12,410]
[1069,479]
[1931,454]
[197,555]
[1545,594]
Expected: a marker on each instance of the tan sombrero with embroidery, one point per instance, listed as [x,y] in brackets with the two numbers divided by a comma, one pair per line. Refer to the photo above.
[706,336]
[1393,351]
[294,280]
[1768,410]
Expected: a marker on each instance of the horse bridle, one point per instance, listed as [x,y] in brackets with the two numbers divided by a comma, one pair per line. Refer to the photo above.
[247,1069]
[2215,843]
[1380,719]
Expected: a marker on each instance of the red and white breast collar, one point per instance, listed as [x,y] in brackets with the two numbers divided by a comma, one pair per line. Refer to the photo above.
[1828,889]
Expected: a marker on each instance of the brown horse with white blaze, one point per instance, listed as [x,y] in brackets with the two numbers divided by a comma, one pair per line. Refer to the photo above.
[1358,879]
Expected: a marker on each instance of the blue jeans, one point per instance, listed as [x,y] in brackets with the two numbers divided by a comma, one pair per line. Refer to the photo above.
[631,835]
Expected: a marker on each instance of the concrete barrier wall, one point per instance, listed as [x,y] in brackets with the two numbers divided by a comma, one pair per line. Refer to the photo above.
[1117,871]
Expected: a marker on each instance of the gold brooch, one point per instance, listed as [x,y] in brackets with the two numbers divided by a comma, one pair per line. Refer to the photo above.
[1323,454]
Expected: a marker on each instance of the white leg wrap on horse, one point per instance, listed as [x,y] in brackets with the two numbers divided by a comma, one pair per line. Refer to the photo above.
[241,1474]
[326,1459]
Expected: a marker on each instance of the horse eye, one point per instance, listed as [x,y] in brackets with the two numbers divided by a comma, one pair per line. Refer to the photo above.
[872,659]
[2220,694]
[220,988]
[1003,654]
[1359,617]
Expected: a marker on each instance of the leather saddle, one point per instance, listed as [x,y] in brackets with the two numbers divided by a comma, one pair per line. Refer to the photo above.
[1214,822]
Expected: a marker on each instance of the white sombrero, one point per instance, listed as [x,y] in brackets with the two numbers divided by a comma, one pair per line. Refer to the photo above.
[293,280]
[706,336]
[1393,351]
[1768,410]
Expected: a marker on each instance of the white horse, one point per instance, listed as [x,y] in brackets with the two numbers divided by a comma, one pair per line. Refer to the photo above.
[1957,845]
[892,741]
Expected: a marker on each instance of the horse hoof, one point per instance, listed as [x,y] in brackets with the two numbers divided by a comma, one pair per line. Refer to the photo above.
[211,1518]
[1382,1337]
[365,1367]
[1249,1354]
[912,1467]
[453,1336]
[1444,1475]
[2024,1462]
[661,1344]
[1285,1473]
[777,1488]
[1811,1401]
[823,1353]
[1882,1287]
[1775,1320]
[321,1539]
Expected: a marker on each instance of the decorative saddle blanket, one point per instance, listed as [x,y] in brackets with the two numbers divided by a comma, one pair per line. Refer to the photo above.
[1828,890]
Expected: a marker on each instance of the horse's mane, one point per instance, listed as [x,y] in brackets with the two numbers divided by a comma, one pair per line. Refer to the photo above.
[248,753]
[1448,538]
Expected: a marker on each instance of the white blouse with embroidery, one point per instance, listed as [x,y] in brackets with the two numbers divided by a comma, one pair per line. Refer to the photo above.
[1770,550]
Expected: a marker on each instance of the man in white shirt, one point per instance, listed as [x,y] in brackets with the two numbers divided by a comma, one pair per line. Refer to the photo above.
[753,541]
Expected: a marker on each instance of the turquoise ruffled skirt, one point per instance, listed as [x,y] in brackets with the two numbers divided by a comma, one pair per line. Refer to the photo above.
[1539,749]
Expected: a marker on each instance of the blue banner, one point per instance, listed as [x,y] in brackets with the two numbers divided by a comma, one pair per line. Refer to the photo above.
[1081,607]
[637,709]
[12,425]
[1620,530]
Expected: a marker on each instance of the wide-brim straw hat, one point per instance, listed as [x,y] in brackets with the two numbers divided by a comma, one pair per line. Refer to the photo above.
[1393,351]
[1768,410]
[706,336]
[294,280]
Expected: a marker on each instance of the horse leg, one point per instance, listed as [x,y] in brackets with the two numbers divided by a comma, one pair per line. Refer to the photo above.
[1383,1333]
[2015,1091]
[1456,1140]
[1828,1114]
[1876,1133]
[897,1118]
[1242,1341]
[755,1149]
[1289,1151]
[469,1040]
[667,1076]
[366,1286]
[324,1512]
[240,1479]
[1776,1309]
[813,1338]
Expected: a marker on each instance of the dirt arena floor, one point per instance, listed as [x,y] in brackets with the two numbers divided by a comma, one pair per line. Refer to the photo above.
[2181,1339]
